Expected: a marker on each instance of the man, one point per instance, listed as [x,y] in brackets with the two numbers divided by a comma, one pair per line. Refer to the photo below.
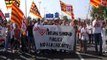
[2,34]
[17,36]
[30,35]
[90,34]
[97,28]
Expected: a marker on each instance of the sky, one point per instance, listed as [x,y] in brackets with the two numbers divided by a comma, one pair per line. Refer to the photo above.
[80,7]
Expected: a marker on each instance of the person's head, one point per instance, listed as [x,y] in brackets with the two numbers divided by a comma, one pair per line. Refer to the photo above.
[96,18]
[38,20]
[45,22]
[16,25]
[64,22]
[84,24]
[60,22]
[56,22]
[33,22]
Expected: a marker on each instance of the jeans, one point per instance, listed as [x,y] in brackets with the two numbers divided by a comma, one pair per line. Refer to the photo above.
[90,38]
[84,45]
[98,42]
[7,41]
[31,39]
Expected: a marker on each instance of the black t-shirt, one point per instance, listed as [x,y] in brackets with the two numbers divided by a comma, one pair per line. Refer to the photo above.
[30,30]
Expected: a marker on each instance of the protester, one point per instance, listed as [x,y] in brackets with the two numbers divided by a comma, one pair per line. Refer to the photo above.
[24,43]
[84,38]
[104,34]
[80,25]
[97,28]
[90,34]
[2,34]
[7,36]
[30,35]
[17,40]
[11,36]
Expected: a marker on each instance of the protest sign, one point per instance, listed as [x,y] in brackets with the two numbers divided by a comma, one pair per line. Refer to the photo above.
[53,37]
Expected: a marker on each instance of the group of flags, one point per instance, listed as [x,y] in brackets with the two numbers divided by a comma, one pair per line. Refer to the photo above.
[96,3]
[17,16]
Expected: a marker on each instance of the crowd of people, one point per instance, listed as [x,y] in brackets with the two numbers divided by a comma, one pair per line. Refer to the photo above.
[87,33]
[14,39]
[91,33]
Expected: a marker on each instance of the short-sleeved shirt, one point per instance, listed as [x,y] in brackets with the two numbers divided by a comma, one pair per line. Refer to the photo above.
[84,35]
[97,26]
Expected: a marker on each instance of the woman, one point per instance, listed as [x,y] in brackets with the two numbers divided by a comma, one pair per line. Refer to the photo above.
[84,38]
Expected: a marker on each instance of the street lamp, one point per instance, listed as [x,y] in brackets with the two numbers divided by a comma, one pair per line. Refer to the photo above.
[39,3]
[44,11]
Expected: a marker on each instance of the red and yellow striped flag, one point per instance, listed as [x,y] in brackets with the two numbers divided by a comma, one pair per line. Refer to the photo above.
[2,15]
[16,15]
[9,3]
[66,8]
[104,2]
[34,10]
[95,3]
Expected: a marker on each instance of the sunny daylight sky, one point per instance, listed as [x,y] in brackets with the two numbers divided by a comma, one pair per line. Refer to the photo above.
[80,7]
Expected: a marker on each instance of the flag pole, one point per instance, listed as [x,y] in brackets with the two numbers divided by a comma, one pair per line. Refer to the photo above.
[25,8]
[44,13]
[61,16]
[88,11]
[39,4]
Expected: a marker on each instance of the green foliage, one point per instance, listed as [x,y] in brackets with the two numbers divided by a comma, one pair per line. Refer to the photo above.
[105,13]
[98,12]
[65,18]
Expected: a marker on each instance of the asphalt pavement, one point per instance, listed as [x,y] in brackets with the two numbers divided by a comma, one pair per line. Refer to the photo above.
[90,55]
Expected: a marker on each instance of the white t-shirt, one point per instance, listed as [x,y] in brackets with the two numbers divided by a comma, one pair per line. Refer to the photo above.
[79,29]
[84,35]
[96,26]
[2,32]
[12,33]
[89,28]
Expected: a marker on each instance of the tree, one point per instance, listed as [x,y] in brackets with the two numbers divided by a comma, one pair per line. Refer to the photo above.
[65,18]
[98,12]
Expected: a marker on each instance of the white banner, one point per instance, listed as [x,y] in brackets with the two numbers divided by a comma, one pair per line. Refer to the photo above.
[53,37]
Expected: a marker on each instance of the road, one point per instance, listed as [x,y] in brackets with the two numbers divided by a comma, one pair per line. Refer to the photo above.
[90,55]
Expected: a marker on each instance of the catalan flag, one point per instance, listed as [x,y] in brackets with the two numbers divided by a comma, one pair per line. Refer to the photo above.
[95,3]
[16,15]
[2,15]
[34,10]
[104,2]
[9,3]
[66,8]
